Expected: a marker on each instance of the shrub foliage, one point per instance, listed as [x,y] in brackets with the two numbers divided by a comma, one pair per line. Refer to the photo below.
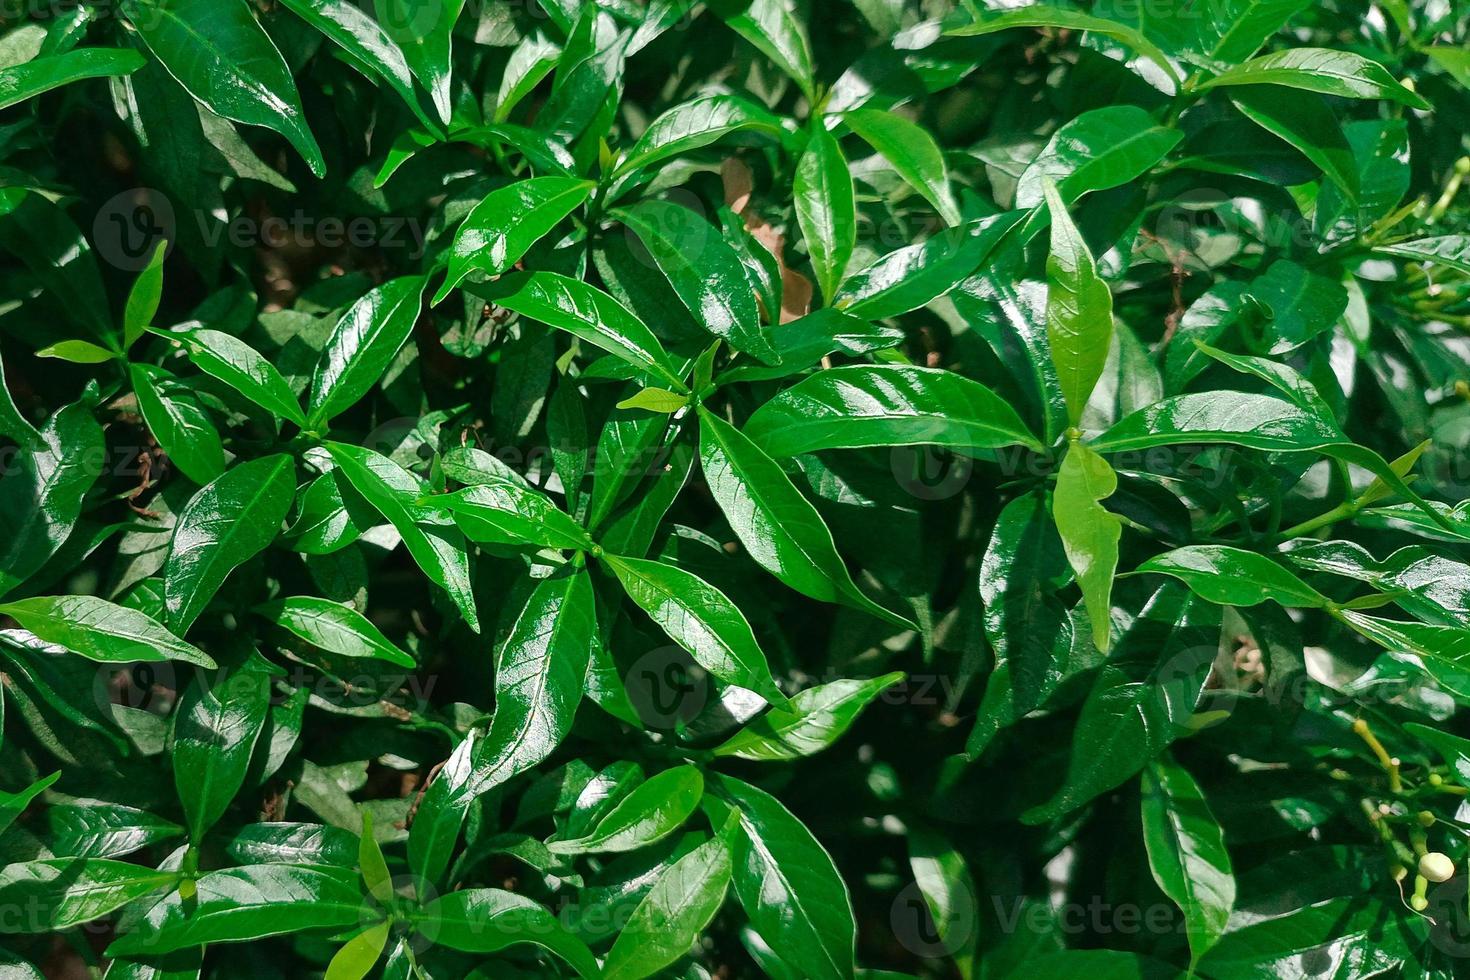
[758,487]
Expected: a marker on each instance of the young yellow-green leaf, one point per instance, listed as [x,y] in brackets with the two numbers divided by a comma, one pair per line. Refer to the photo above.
[1234,577]
[772,26]
[435,543]
[100,630]
[487,920]
[333,627]
[861,405]
[58,893]
[224,525]
[502,512]
[704,271]
[361,347]
[359,955]
[31,78]
[698,122]
[371,863]
[812,721]
[779,527]
[654,809]
[240,366]
[1186,852]
[78,352]
[241,904]
[1089,532]
[144,297]
[789,887]
[701,619]
[826,208]
[1079,309]
[504,225]
[215,727]
[180,425]
[670,918]
[1323,70]
[912,152]
[587,313]
[218,51]
[659,400]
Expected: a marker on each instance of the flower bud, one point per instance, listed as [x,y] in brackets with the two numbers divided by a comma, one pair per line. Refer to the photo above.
[1437,866]
[1418,903]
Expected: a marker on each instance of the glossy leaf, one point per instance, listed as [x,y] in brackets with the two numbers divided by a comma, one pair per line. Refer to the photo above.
[1089,532]
[215,729]
[363,343]
[1340,73]
[814,719]
[826,209]
[671,916]
[654,809]
[1232,577]
[223,526]
[1079,309]
[28,80]
[243,368]
[504,225]
[333,627]
[886,405]
[100,630]
[912,152]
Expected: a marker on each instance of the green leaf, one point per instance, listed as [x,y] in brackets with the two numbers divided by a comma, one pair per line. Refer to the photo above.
[241,904]
[1186,852]
[359,955]
[349,27]
[913,154]
[915,275]
[437,546]
[1098,150]
[1041,15]
[1233,577]
[812,721]
[423,32]
[361,347]
[1079,309]
[508,513]
[1447,645]
[217,50]
[1340,73]
[1308,123]
[826,208]
[788,885]
[487,920]
[40,234]
[950,893]
[223,526]
[693,124]
[654,809]
[78,352]
[144,297]
[1453,749]
[215,729]
[100,630]
[886,405]
[182,428]
[46,485]
[372,864]
[780,529]
[1026,623]
[772,26]
[588,314]
[1089,532]
[701,619]
[1450,251]
[58,893]
[94,829]
[333,627]
[1141,700]
[704,271]
[670,918]
[655,400]
[12,805]
[1233,30]
[504,225]
[28,80]
[240,366]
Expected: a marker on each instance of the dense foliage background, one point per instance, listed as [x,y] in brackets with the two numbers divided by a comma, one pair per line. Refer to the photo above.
[792,487]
